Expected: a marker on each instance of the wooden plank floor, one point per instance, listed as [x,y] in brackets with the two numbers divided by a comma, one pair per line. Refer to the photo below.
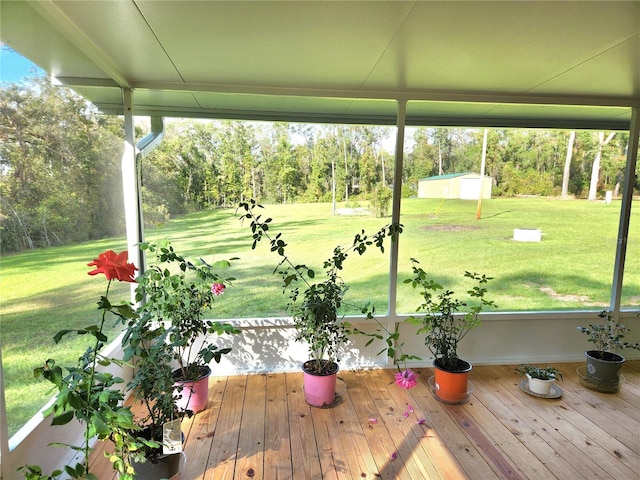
[259,427]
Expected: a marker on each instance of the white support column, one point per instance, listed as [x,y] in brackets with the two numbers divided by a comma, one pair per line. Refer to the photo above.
[6,470]
[131,187]
[395,215]
[625,209]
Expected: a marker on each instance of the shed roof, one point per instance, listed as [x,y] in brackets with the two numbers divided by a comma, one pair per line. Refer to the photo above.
[452,175]
[568,64]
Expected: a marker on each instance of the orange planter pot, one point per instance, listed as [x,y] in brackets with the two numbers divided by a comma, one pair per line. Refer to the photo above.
[452,387]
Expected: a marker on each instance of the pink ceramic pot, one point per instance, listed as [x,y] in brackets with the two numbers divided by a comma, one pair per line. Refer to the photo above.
[320,388]
[194,394]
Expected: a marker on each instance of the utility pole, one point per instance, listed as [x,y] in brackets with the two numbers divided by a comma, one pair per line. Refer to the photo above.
[333,185]
[482,164]
[567,165]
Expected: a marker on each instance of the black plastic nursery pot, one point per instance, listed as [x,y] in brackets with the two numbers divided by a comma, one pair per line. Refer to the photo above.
[603,371]
[158,465]
[320,388]
[164,466]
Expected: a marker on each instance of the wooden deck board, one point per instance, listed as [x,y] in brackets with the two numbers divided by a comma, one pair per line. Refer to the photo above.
[602,408]
[305,458]
[277,447]
[260,427]
[330,448]
[392,406]
[544,427]
[510,413]
[357,451]
[379,443]
[250,452]
[201,430]
[429,451]
[99,467]
[442,426]
[223,453]
[594,441]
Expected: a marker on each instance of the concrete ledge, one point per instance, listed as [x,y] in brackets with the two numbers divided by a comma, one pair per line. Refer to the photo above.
[527,234]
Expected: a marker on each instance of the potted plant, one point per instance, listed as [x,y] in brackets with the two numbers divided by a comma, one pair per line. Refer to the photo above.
[89,394]
[154,389]
[176,292]
[444,327]
[540,380]
[315,304]
[603,365]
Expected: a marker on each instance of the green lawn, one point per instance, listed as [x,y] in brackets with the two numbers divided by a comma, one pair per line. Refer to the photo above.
[46,290]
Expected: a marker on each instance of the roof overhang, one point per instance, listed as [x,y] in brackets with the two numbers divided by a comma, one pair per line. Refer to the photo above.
[494,64]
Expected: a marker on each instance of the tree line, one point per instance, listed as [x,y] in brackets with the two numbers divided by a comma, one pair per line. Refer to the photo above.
[60,165]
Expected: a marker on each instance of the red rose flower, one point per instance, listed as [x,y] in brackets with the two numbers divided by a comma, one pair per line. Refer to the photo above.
[114,265]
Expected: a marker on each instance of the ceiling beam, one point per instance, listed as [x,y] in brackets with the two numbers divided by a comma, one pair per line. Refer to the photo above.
[407,95]
[71,32]
[615,123]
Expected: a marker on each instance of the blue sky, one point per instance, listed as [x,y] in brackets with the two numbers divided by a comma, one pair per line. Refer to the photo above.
[13,66]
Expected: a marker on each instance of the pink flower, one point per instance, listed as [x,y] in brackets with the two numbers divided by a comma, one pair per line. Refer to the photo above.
[410,408]
[217,289]
[394,455]
[406,379]
[373,420]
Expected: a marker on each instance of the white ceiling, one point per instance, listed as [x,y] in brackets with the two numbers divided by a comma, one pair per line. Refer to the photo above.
[483,63]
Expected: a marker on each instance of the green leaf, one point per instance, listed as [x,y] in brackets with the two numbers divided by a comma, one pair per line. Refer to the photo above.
[70,471]
[150,443]
[75,401]
[101,428]
[58,336]
[100,336]
[63,418]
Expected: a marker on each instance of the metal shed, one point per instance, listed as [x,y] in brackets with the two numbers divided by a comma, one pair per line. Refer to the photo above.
[465,186]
